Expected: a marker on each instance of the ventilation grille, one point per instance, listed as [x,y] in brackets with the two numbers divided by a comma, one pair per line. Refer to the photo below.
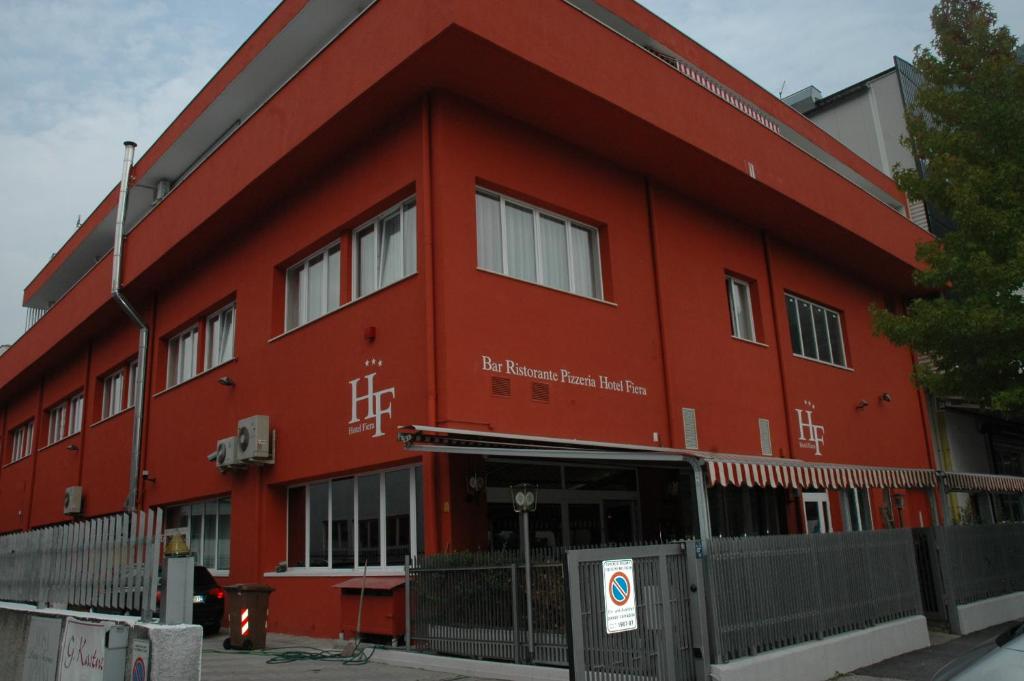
[501,387]
[766,436]
[541,392]
[689,428]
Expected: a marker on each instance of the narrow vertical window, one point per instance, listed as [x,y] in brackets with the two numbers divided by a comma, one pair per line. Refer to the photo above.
[220,336]
[182,356]
[113,394]
[313,287]
[488,233]
[58,423]
[384,250]
[21,441]
[741,311]
[130,387]
[75,408]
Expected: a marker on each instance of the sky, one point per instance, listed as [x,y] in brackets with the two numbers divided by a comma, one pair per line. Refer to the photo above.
[78,78]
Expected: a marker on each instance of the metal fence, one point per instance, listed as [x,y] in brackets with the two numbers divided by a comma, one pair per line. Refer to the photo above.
[980,561]
[769,592]
[108,563]
[474,605]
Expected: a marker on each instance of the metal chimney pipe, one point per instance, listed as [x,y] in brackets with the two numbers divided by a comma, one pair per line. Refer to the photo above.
[131,503]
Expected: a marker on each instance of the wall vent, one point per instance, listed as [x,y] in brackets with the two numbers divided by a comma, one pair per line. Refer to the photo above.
[540,392]
[689,428]
[766,436]
[501,387]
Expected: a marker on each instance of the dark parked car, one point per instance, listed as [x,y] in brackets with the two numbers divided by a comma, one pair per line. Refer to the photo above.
[999,660]
[207,600]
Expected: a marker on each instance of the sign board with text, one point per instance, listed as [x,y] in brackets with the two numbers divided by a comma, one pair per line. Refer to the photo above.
[82,652]
[619,588]
[42,650]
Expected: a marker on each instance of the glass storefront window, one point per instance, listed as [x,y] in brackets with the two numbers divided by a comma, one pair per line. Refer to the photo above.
[208,527]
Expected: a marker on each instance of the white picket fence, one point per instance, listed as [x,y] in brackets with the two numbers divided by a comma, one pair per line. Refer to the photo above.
[109,563]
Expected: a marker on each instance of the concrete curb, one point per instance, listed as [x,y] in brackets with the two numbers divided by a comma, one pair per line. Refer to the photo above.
[488,670]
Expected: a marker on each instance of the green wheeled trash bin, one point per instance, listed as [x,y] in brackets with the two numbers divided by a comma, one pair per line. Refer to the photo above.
[248,609]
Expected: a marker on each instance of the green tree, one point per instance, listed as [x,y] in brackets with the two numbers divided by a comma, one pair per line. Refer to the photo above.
[967,125]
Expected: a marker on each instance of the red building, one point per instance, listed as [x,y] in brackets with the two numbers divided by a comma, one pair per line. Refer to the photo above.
[576,247]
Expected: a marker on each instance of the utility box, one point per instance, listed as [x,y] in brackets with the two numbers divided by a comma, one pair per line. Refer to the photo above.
[383,611]
[248,608]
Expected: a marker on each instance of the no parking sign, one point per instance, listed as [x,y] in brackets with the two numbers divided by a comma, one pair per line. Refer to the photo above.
[140,660]
[619,595]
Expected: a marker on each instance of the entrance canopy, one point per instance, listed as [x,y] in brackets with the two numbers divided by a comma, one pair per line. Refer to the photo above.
[982,482]
[722,469]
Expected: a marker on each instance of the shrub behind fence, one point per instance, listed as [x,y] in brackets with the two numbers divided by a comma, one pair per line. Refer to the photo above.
[769,592]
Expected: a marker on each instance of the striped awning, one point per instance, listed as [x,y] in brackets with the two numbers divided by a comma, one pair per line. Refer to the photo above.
[749,471]
[983,482]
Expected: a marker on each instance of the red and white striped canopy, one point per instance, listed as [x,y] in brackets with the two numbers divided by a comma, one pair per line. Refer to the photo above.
[982,482]
[739,471]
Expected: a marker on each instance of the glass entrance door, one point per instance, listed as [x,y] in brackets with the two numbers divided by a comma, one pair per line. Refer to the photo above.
[619,522]
[817,518]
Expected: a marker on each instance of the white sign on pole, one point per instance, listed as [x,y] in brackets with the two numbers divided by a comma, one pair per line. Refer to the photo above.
[619,595]
[82,652]
[42,649]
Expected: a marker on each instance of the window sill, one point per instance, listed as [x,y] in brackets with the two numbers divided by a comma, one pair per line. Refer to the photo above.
[204,372]
[751,342]
[828,364]
[338,309]
[550,288]
[111,417]
[57,442]
[14,463]
[390,571]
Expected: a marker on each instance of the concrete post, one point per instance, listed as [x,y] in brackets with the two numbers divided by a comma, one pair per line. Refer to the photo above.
[176,607]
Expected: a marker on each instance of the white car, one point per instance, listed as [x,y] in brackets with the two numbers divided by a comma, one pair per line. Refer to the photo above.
[1000,660]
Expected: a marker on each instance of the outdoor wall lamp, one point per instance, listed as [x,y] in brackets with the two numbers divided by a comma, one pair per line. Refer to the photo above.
[862,404]
[226,380]
[885,397]
[72,448]
[475,484]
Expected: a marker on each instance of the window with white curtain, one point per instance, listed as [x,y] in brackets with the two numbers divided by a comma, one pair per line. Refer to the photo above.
[133,370]
[58,423]
[741,312]
[75,408]
[113,393]
[521,241]
[21,441]
[815,331]
[384,250]
[182,356]
[220,336]
[313,287]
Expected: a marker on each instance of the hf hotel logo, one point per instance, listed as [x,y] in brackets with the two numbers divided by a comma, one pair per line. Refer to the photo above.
[377,403]
[812,436]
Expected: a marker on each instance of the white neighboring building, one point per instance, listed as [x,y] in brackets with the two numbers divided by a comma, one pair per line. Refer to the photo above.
[868,117]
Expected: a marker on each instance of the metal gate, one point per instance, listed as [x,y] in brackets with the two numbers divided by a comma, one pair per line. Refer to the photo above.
[670,636]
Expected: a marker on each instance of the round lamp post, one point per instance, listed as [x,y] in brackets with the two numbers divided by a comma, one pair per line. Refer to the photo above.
[524,501]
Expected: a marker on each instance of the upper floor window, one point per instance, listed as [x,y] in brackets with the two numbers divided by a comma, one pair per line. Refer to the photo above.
[741,311]
[113,394]
[220,336]
[21,441]
[527,243]
[182,356]
[815,331]
[133,370]
[65,419]
[384,250]
[313,287]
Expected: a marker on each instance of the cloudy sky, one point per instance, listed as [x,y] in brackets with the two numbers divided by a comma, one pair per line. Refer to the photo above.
[77,78]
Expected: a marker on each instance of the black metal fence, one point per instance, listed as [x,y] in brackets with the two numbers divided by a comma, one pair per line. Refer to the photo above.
[474,605]
[769,592]
[984,561]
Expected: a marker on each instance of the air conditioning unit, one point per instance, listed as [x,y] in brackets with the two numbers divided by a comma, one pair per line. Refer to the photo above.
[226,456]
[73,500]
[255,442]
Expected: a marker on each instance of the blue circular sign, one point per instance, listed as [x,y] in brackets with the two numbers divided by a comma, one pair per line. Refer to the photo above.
[139,670]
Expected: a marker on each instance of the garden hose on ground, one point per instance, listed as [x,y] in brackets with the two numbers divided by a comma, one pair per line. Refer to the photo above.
[305,654]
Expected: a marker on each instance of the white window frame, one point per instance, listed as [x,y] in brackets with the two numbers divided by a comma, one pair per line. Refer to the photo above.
[76,409]
[569,223]
[819,499]
[302,268]
[130,396]
[741,287]
[414,539]
[215,329]
[113,394]
[21,441]
[199,551]
[57,426]
[376,226]
[178,371]
[844,364]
